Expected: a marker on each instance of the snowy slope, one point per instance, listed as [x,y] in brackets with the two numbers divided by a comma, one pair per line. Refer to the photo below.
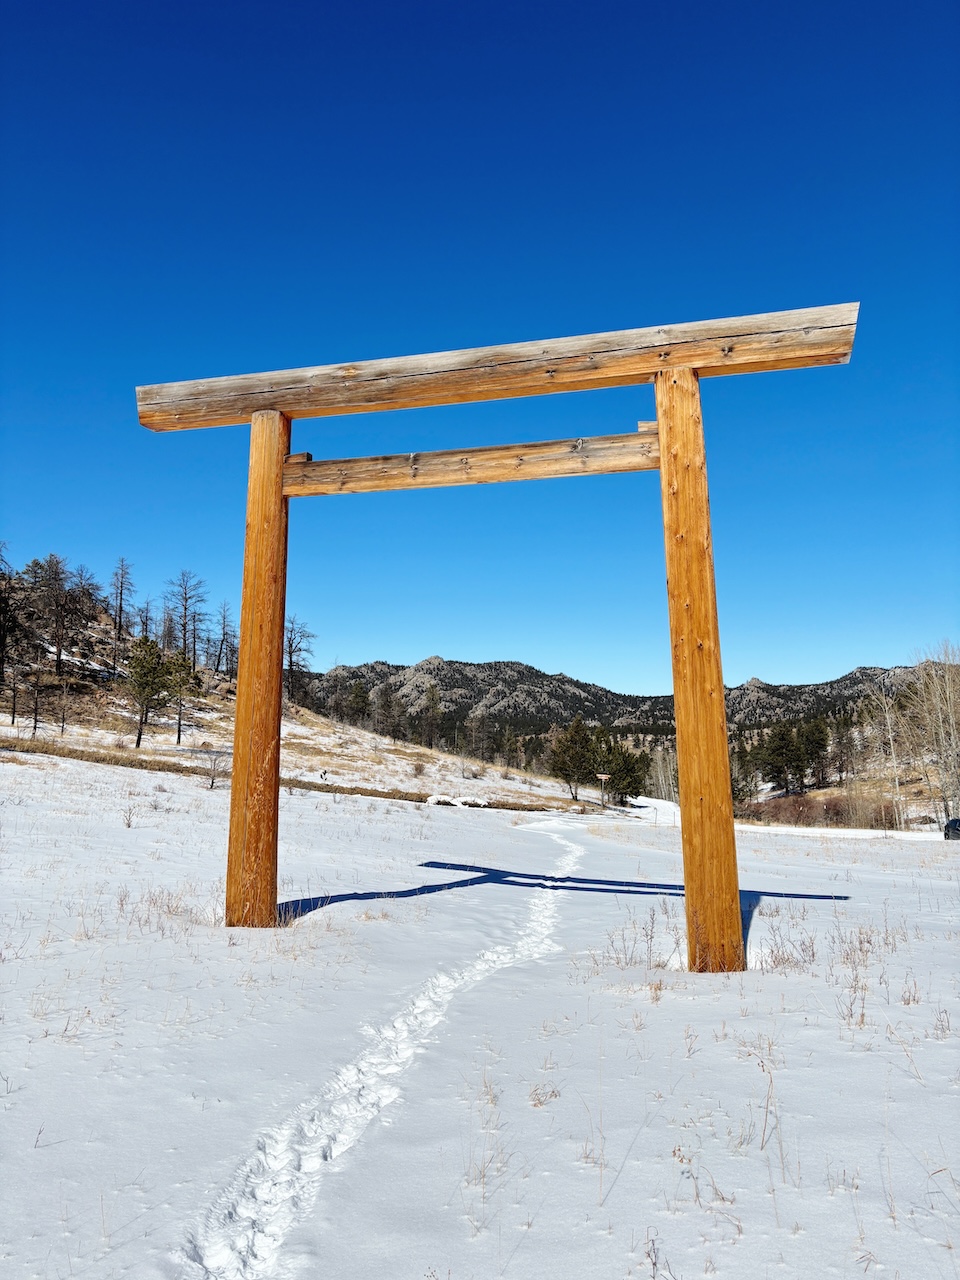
[480,1056]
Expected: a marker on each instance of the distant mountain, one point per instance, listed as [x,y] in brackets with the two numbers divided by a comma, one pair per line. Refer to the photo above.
[531,701]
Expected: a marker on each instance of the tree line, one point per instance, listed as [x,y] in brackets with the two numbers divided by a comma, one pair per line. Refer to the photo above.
[63,632]
[576,753]
[381,711]
[903,740]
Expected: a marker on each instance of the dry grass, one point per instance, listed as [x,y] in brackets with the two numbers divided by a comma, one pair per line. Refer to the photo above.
[154,764]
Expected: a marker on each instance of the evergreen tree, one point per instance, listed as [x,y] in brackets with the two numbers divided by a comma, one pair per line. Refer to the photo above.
[842,746]
[572,756]
[430,720]
[510,748]
[182,682]
[814,740]
[628,770]
[13,628]
[358,702]
[388,714]
[776,756]
[481,734]
[148,680]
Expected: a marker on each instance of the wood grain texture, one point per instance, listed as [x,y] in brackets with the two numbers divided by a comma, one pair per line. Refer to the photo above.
[711,888]
[743,344]
[546,459]
[255,790]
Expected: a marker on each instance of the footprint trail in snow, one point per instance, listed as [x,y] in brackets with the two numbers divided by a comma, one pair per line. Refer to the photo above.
[241,1235]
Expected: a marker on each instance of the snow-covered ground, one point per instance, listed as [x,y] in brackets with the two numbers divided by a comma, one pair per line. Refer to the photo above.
[473,1052]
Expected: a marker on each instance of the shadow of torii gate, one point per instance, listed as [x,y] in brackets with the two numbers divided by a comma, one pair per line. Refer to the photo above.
[673,358]
[473,876]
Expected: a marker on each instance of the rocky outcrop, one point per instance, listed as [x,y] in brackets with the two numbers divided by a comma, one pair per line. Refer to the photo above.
[530,700]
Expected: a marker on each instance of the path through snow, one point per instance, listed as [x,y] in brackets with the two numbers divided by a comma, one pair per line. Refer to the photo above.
[241,1235]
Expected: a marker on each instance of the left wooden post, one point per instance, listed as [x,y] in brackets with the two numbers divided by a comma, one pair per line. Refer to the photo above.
[255,791]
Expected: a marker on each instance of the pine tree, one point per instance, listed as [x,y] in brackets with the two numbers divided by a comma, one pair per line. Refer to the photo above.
[430,721]
[182,681]
[842,746]
[572,756]
[782,759]
[628,770]
[358,702]
[386,712]
[148,683]
[510,748]
[814,739]
[13,628]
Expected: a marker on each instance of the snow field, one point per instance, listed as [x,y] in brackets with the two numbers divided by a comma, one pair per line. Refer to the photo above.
[506,1074]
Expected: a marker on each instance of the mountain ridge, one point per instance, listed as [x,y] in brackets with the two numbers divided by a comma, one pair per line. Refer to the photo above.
[531,700]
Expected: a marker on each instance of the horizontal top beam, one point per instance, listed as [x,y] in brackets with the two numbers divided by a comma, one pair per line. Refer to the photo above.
[745,344]
[489,464]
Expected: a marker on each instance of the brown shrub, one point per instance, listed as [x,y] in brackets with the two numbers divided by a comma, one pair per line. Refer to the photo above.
[812,810]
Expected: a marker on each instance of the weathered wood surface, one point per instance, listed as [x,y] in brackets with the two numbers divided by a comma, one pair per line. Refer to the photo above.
[255,789]
[744,344]
[546,459]
[711,889]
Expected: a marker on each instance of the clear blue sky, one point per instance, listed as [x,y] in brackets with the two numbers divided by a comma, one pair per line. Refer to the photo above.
[209,188]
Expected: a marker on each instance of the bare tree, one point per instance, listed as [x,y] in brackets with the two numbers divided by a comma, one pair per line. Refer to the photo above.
[185,595]
[121,592]
[61,600]
[18,659]
[37,686]
[663,773]
[885,711]
[85,601]
[296,644]
[47,583]
[225,638]
[217,760]
[931,720]
[146,619]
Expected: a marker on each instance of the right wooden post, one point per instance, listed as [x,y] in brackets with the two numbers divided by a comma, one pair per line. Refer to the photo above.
[711,888]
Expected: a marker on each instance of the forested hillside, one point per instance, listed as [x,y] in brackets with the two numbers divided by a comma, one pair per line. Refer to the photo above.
[72,647]
[531,701]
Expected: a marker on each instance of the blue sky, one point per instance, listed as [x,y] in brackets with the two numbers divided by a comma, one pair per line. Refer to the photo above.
[204,189]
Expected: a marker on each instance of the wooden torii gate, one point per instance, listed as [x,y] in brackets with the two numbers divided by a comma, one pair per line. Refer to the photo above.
[673,358]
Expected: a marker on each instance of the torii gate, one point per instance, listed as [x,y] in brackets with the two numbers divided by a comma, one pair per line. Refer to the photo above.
[673,358]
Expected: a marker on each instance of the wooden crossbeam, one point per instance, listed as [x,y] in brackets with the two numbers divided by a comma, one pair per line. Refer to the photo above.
[543,460]
[744,344]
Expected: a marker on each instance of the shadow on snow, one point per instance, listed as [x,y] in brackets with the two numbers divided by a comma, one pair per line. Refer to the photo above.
[750,899]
